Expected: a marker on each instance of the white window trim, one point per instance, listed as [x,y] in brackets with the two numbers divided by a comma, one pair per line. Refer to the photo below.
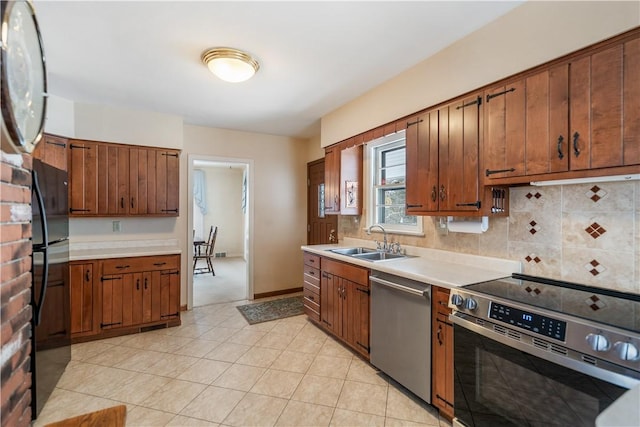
[369,197]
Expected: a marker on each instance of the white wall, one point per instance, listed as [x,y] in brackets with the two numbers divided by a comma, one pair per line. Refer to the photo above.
[529,35]
[279,197]
[224,208]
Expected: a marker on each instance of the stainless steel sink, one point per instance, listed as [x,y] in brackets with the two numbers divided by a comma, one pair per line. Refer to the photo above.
[352,251]
[367,254]
[379,256]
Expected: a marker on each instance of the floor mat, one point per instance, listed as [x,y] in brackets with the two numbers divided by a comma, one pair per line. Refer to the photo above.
[271,310]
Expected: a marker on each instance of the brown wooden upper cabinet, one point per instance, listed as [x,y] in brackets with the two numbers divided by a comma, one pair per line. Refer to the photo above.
[53,151]
[565,119]
[332,180]
[442,159]
[108,179]
[343,179]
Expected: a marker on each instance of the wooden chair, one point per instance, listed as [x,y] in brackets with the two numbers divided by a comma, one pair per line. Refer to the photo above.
[205,252]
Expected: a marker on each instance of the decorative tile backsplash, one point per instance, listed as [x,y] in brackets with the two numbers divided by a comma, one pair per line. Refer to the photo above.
[583,233]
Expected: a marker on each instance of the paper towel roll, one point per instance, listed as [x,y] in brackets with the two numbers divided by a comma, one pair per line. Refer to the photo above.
[474,225]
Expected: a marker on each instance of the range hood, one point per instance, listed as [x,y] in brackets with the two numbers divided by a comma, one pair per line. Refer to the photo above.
[590,180]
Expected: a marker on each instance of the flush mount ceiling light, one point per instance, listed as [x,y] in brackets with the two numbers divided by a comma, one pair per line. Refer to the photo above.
[230,65]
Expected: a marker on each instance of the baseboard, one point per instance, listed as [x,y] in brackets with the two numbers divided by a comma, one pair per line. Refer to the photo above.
[183,307]
[276,293]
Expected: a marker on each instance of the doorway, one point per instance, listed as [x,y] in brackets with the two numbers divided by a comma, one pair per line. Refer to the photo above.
[319,225]
[220,196]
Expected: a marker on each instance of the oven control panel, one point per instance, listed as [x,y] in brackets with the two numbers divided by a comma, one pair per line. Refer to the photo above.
[533,322]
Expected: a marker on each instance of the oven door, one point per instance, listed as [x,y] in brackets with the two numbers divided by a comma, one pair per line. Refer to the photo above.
[497,384]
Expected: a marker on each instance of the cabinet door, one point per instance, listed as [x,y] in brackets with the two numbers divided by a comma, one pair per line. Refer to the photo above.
[148,312]
[526,129]
[137,298]
[153,287]
[422,163]
[546,127]
[330,302]
[113,179]
[167,182]
[112,292]
[458,146]
[332,180]
[83,178]
[138,181]
[52,150]
[504,124]
[351,180]
[82,298]
[356,316]
[169,294]
[605,108]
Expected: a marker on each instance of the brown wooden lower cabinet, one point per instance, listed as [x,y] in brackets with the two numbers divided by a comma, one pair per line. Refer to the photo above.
[342,295]
[442,353]
[122,295]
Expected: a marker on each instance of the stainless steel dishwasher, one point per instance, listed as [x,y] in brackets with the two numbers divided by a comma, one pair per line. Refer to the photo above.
[401,331]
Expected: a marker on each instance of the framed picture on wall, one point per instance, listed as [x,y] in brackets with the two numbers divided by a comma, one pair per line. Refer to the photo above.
[351,196]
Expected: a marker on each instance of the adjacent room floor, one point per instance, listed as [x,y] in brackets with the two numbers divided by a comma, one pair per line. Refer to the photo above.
[229,284]
[216,369]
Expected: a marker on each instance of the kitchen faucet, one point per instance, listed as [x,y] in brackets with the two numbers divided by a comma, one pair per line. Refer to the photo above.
[385,246]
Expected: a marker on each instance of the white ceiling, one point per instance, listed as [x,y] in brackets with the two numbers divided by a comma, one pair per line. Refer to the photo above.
[314,56]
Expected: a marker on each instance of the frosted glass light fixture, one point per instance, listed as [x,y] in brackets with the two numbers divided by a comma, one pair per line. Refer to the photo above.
[230,65]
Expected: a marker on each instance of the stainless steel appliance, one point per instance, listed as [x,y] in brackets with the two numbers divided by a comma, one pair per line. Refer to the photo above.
[536,352]
[401,331]
[51,322]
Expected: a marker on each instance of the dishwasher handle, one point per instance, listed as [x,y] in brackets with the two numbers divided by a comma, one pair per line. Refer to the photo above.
[406,289]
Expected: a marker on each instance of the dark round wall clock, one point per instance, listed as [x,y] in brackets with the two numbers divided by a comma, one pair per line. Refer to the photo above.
[24,81]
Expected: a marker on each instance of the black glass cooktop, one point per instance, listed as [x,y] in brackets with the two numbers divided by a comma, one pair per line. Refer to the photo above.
[613,308]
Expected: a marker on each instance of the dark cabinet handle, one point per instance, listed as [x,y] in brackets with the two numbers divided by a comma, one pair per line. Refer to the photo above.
[438,333]
[120,267]
[560,153]
[87,276]
[434,194]
[336,203]
[132,203]
[145,283]
[137,284]
[325,275]
[476,204]
[312,273]
[443,193]
[121,202]
[488,172]
[413,206]
[576,150]
[311,298]
[159,264]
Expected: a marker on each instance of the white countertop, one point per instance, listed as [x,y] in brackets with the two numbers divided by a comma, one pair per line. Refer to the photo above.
[80,251]
[624,412]
[433,266]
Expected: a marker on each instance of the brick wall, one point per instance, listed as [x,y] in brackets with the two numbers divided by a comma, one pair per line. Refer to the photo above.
[15,288]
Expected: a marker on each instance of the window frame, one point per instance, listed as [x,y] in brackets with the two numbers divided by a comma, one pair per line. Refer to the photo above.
[372,160]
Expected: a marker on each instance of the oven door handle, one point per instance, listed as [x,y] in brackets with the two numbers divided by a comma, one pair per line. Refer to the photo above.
[612,375]
[396,286]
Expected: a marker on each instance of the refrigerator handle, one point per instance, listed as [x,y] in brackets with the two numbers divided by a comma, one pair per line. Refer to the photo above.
[43,290]
[43,247]
[43,213]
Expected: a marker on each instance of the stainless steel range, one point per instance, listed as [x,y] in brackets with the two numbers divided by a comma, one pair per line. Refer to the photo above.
[533,351]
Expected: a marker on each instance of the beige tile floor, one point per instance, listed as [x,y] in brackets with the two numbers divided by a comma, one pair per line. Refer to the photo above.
[216,369]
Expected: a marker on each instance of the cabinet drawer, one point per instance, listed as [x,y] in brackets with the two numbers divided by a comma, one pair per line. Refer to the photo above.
[441,301]
[350,272]
[311,260]
[311,295]
[311,309]
[137,264]
[312,275]
[312,287]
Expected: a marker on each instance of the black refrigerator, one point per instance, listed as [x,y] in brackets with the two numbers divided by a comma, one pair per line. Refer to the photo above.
[51,321]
